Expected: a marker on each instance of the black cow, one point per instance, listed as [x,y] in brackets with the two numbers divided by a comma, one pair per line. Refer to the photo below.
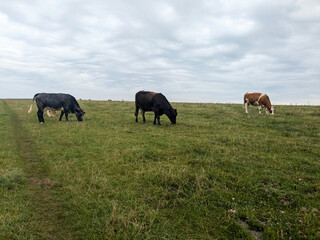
[156,102]
[57,101]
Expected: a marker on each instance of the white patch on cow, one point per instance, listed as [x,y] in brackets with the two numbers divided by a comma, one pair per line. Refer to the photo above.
[257,102]
[261,96]
[246,105]
[260,109]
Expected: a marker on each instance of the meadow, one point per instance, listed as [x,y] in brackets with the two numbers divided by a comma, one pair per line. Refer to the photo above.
[217,174]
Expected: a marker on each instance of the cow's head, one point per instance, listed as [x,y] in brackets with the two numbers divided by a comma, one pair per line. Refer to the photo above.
[79,114]
[270,110]
[172,115]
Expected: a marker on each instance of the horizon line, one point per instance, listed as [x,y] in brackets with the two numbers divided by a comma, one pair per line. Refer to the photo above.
[209,102]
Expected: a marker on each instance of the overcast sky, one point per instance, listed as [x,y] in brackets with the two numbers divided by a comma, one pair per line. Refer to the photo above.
[191,51]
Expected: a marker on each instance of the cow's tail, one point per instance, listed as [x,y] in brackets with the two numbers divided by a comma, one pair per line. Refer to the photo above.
[34,98]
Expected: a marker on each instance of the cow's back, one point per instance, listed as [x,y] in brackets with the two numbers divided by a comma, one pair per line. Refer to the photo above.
[160,100]
[145,100]
[252,98]
[56,100]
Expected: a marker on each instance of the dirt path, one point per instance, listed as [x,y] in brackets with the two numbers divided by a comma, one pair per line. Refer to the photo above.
[47,213]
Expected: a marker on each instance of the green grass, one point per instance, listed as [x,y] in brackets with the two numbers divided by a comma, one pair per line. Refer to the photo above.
[109,177]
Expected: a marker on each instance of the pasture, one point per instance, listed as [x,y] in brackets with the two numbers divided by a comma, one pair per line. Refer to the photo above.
[217,174]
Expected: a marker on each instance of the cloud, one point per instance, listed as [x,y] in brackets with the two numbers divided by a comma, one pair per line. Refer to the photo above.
[208,51]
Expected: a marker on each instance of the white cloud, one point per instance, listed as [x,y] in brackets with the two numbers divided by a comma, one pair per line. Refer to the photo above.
[307,10]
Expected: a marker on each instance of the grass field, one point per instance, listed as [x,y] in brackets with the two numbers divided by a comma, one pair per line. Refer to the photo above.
[217,174]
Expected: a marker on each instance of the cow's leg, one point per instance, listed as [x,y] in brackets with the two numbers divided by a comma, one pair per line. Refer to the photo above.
[155,119]
[40,116]
[62,112]
[136,113]
[246,106]
[260,107]
[66,114]
[143,112]
[156,116]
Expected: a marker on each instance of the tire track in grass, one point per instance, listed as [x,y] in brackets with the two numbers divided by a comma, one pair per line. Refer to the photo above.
[47,213]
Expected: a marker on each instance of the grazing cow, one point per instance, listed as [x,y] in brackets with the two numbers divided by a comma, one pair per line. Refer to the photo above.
[57,101]
[156,102]
[258,99]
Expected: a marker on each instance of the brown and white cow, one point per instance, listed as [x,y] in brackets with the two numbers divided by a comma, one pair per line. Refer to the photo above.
[258,99]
